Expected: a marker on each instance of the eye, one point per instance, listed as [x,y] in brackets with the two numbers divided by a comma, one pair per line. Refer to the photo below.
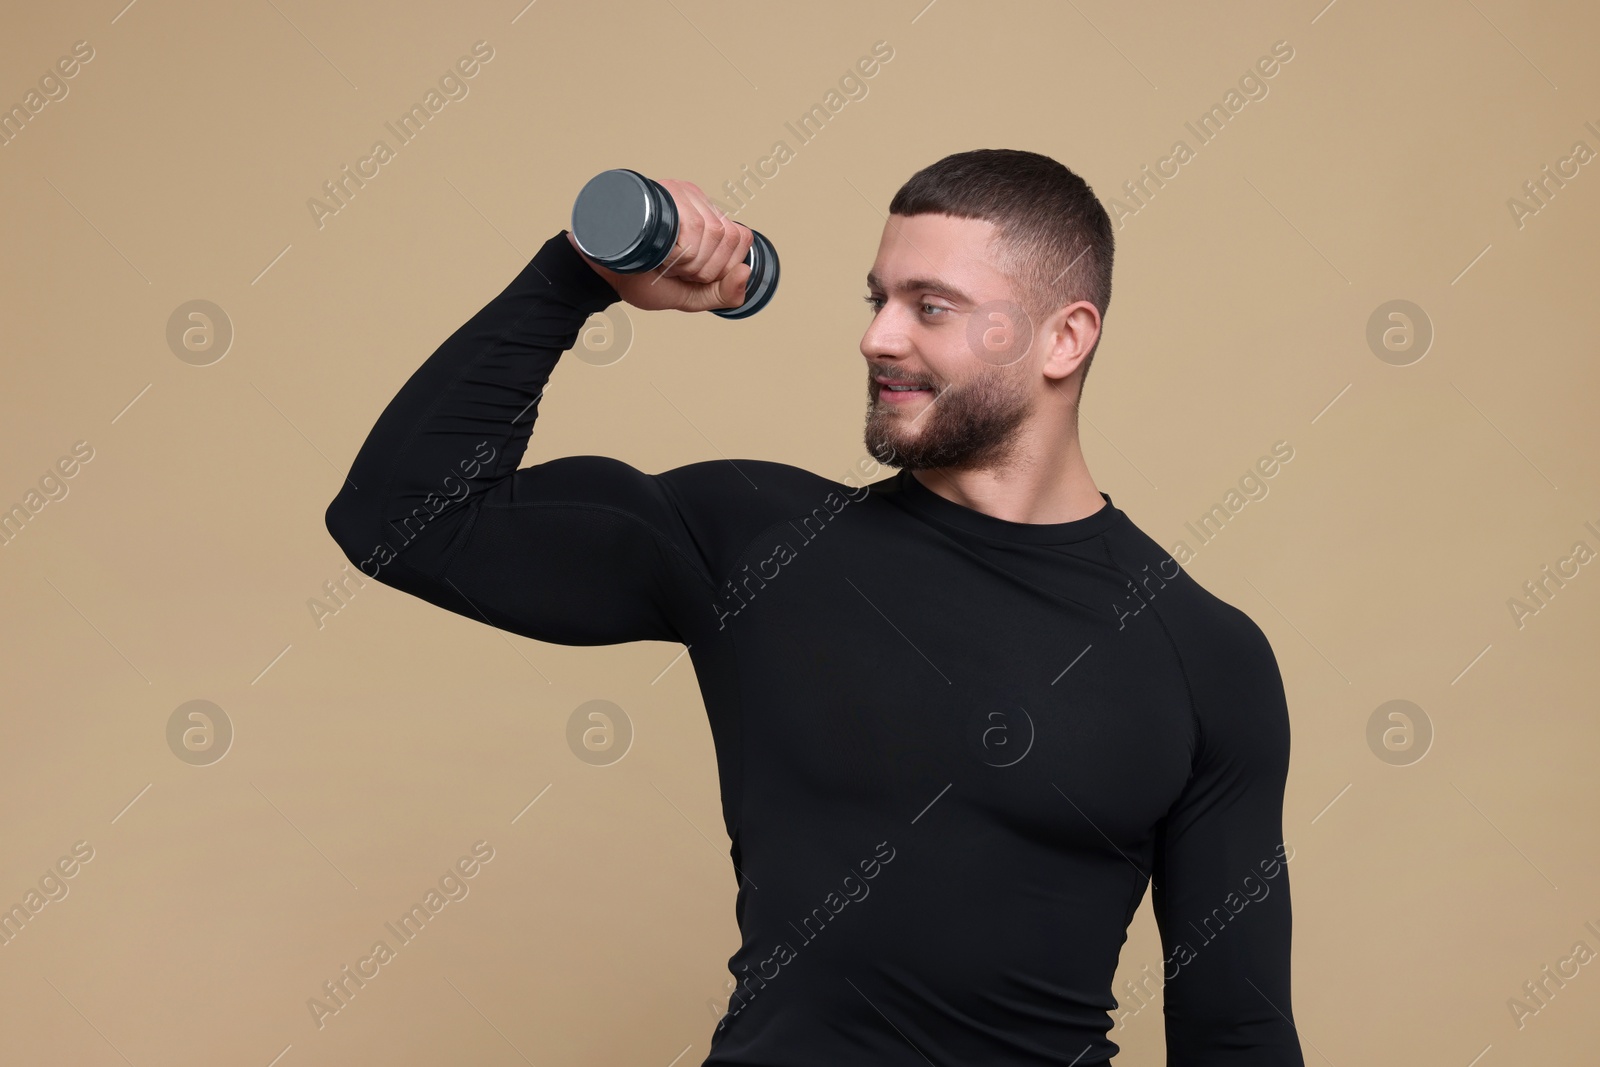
[935,307]
[874,302]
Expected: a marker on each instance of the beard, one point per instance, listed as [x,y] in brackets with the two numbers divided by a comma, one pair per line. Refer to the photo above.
[970,426]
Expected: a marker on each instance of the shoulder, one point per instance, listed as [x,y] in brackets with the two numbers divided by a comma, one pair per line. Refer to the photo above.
[1188,606]
[749,482]
[742,492]
[725,504]
[1229,663]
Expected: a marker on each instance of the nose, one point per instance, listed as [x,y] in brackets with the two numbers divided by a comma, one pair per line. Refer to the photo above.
[886,336]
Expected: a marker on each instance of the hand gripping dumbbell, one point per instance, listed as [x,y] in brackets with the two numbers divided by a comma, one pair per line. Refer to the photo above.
[628,223]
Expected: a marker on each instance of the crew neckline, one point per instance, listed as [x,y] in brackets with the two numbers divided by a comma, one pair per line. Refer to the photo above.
[930,504]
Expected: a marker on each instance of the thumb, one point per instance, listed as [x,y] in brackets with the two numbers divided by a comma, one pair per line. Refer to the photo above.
[729,290]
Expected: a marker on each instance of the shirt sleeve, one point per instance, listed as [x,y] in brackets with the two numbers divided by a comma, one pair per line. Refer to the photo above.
[579,550]
[1220,872]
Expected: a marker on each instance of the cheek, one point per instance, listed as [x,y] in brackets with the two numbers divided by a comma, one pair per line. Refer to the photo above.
[946,357]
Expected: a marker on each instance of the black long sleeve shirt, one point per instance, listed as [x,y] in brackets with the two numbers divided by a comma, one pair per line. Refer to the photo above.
[952,749]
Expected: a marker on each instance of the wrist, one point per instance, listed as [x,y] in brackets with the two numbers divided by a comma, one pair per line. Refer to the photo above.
[572,277]
[609,275]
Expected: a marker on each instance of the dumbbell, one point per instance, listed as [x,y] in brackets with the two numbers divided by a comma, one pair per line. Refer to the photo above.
[628,223]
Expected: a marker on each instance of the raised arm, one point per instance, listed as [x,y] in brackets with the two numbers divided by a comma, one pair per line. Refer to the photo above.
[580,550]
[1220,885]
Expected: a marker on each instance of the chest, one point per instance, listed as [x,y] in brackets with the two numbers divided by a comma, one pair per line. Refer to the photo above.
[877,679]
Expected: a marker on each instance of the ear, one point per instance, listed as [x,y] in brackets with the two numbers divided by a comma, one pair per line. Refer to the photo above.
[1068,334]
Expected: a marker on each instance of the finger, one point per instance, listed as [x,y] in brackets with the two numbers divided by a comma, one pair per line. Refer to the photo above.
[730,288]
[699,232]
[705,265]
[727,253]
[741,249]
[697,297]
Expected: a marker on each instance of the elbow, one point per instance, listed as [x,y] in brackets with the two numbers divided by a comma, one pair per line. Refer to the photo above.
[399,549]
[363,531]
[353,529]
[1246,1036]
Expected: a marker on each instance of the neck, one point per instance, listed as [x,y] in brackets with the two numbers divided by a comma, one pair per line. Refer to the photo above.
[1041,482]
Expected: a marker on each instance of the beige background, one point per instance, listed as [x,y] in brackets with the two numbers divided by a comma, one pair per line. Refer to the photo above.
[371,751]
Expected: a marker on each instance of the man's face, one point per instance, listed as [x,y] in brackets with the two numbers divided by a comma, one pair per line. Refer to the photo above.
[948,324]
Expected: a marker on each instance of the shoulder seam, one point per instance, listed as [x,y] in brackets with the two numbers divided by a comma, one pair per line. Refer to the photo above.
[1183,668]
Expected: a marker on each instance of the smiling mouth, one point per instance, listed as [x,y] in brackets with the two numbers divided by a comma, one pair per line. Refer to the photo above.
[897,390]
[900,394]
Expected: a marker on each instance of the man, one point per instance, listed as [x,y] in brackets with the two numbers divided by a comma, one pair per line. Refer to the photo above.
[963,715]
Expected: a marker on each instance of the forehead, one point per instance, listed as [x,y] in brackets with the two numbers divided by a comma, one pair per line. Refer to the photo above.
[960,252]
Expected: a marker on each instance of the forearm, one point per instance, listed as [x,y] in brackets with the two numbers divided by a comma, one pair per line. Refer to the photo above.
[462,421]
[1229,1004]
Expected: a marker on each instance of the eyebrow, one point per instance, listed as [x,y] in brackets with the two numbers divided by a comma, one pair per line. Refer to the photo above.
[923,285]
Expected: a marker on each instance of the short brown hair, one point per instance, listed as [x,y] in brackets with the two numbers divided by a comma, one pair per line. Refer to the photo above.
[1054,235]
